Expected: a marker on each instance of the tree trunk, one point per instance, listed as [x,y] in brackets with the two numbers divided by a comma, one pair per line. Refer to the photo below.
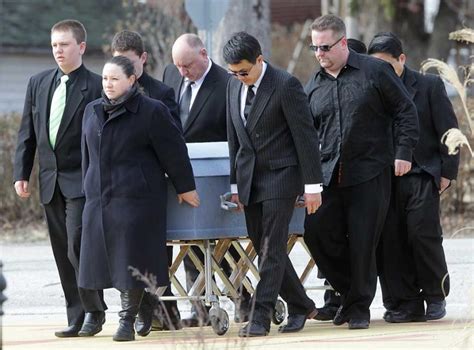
[252,16]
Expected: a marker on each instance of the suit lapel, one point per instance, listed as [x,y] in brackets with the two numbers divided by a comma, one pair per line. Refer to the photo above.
[264,92]
[203,94]
[410,82]
[76,96]
[43,99]
[234,107]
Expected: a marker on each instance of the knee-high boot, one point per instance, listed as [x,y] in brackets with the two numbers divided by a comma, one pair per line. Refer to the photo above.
[130,300]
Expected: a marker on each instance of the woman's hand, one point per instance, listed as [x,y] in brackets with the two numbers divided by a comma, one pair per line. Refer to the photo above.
[191,197]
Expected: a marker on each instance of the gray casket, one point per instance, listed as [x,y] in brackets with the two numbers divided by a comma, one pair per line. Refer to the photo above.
[210,161]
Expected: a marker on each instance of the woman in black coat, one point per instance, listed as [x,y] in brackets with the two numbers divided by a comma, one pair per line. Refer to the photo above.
[129,142]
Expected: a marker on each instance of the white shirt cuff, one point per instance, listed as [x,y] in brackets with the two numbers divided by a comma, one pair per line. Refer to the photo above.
[234,189]
[313,188]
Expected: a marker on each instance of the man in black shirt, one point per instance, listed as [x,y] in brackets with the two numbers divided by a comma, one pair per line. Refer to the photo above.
[356,101]
[411,265]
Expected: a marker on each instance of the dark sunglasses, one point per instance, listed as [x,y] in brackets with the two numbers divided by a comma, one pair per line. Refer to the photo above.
[240,74]
[324,48]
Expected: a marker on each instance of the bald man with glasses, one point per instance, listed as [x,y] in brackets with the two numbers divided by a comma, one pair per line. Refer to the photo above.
[356,101]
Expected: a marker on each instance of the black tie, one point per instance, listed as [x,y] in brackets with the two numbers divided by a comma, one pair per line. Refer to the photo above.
[248,101]
[185,103]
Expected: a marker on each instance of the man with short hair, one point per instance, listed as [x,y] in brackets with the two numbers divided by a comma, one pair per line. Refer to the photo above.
[130,44]
[412,265]
[274,157]
[200,84]
[51,125]
[356,101]
[332,299]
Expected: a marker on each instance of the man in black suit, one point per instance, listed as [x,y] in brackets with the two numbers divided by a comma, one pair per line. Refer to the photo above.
[199,85]
[130,44]
[412,266]
[274,157]
[51,125]
[356,102]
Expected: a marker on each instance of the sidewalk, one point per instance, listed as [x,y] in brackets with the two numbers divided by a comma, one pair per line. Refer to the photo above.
[35,310]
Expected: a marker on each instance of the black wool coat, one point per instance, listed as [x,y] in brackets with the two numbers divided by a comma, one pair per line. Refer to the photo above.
[124,161]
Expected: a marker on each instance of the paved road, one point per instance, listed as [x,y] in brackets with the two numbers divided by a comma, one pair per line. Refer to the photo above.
[35,298]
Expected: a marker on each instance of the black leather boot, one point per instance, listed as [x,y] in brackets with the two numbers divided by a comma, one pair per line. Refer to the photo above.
[130,300]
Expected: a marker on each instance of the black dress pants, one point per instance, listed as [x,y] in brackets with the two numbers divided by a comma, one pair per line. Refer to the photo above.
[342,237]
[412,265]
[64,219]
[268,225]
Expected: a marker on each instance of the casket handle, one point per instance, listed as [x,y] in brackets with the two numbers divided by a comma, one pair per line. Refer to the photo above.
[226,204]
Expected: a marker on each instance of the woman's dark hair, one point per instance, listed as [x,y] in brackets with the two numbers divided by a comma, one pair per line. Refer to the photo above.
[123,62]
[241,46]
[386,42]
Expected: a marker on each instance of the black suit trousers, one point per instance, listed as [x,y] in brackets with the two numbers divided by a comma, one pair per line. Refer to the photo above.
[267,226]
[342,237]
[411,261]
[64,218]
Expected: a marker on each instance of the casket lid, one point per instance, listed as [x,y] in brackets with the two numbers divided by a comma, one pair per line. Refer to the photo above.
[206,150]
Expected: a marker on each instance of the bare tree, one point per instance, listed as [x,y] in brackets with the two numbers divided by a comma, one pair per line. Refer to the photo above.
[252,16]
[160,22]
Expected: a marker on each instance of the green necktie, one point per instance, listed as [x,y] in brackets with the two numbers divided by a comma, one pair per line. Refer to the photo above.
[57,109]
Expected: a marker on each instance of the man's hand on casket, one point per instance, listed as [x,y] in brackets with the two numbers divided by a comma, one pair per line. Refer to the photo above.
[235,199]
[312,202]
[191,197]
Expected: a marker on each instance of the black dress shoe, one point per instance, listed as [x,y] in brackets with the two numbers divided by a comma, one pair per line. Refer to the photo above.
[338,319]
[355,323]
[92,323]
[326,313]
[402,316]
[253,329]
[195,321]
[387,314]
[435,310]
[69,332]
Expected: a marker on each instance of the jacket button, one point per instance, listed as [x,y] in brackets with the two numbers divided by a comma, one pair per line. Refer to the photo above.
[257,135]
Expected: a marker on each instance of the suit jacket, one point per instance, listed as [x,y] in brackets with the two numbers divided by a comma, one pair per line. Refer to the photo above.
[63,164]
[435,116]
[277,152]
[159,91]
[207,120]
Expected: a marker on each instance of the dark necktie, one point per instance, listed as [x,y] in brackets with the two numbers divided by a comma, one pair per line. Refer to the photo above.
[185,103]
[248,101]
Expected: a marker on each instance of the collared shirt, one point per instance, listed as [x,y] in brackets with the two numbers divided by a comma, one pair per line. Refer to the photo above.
[355,114]
[69,84]
[245,89]
[196,86]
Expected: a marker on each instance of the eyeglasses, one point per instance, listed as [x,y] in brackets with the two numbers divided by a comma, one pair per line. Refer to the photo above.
[324,48]
[240,73]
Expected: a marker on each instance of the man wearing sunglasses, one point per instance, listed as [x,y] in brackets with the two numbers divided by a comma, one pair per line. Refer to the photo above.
[274,157]
[356,101]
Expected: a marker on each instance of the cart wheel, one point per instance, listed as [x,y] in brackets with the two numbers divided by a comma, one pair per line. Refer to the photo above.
[219,320]
[279,313]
